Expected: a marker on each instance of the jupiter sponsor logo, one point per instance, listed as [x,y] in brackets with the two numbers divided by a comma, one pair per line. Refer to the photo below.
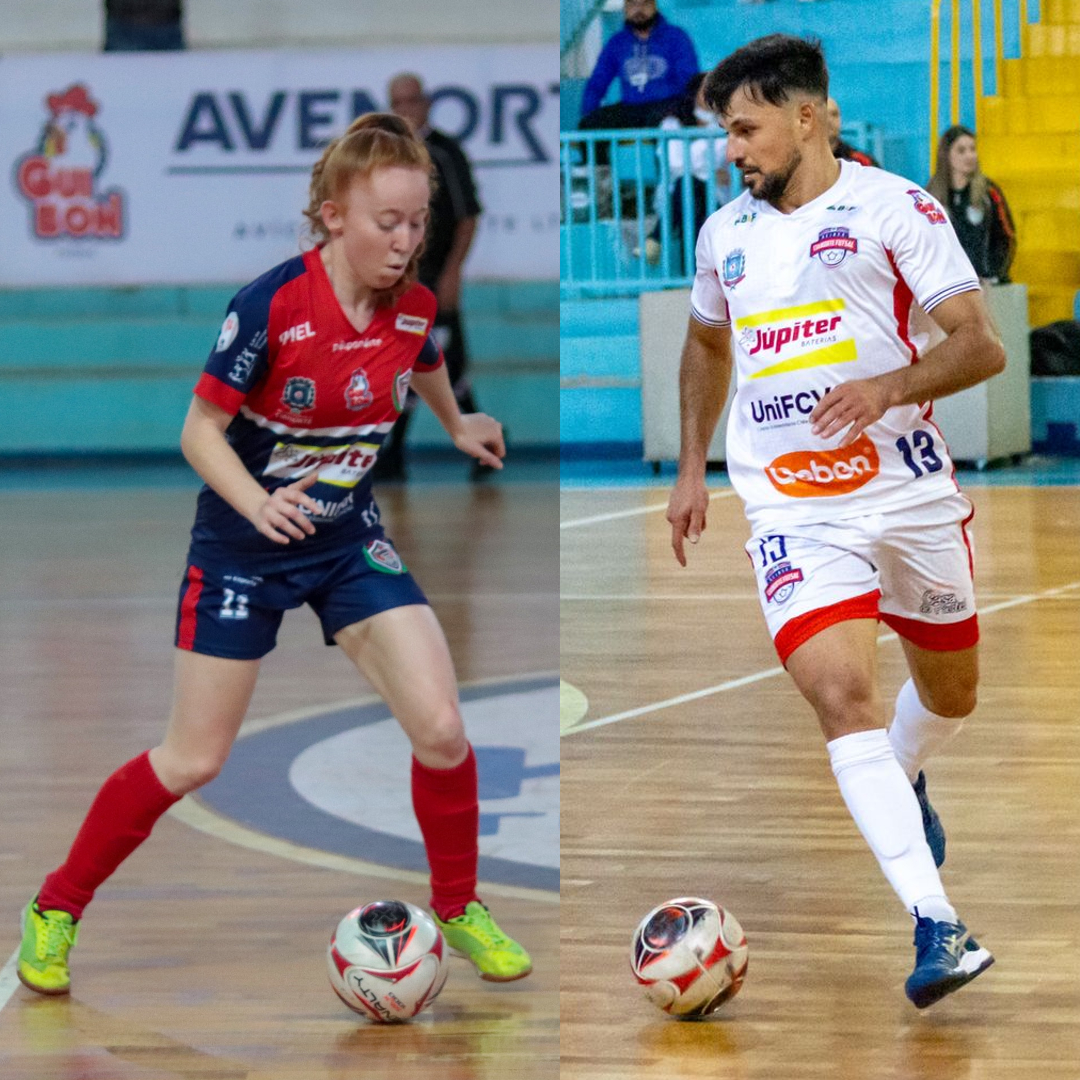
[808,474]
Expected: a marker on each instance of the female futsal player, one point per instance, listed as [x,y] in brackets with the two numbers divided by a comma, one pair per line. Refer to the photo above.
[308,375]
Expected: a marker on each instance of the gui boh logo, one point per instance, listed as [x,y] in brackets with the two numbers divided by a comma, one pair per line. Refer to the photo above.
[61,178]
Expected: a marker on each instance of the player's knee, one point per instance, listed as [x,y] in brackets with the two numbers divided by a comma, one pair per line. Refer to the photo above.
[442,737]
[845,706]
[955,701]
[188,772]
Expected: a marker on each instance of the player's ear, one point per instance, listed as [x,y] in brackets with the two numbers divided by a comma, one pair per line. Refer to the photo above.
[333,216]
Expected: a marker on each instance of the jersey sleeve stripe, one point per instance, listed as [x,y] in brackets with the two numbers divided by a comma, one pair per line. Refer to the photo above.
[430,358]
[217,393]
[704,319]
[953,290]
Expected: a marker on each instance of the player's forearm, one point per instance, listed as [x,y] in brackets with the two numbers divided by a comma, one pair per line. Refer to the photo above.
[208,452]
[703,384]
[437,394]
[968,356]
[464,232]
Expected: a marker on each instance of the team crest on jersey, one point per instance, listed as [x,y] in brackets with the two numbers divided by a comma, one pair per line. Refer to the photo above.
[229,329]
[833,246]
[358,393]
[927,207]
[380,555]
[780,582]
[299,394]
[411,324]
[401,388]
[734,267]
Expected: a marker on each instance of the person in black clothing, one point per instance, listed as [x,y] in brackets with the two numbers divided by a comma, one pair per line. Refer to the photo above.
[977,207]
[842,150]
[140,25]
[455,210]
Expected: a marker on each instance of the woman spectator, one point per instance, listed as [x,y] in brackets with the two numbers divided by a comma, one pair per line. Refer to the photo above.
[977,207]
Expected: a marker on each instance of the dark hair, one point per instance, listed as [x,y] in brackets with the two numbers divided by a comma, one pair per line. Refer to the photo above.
[684,110]
[772,69]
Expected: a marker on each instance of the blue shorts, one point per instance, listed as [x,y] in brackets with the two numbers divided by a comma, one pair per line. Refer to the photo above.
[226,610]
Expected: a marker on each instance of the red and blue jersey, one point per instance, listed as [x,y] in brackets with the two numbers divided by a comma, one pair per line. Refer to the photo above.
[308,393]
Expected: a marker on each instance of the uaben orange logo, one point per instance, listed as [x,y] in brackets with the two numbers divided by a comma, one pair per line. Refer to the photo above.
[61,178]
[807,474]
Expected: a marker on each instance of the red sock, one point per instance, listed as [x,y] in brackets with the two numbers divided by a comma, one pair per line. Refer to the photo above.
[119,820]
[448,810]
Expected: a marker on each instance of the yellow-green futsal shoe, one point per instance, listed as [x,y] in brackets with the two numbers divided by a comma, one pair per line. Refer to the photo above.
[47,939]
[476,935]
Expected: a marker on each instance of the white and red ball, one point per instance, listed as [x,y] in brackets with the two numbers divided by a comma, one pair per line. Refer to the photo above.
[387,960]
[690,955]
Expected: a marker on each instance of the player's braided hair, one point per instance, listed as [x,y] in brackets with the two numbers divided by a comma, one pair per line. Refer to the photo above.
[373,141]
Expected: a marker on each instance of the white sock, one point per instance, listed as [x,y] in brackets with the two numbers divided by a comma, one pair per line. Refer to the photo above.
[880,799]
[916,732]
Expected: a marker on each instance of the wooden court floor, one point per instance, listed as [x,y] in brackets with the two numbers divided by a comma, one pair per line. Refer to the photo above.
[200,959]
[729,795]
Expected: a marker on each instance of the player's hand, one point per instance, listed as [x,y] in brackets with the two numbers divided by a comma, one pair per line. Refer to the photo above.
[481,436]
[282,514]
[686,513]
[853,405]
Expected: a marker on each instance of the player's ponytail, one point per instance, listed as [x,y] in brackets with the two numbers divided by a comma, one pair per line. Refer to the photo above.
[373,141]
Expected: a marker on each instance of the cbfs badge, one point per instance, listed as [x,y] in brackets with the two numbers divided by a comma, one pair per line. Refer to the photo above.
[780,582]
[734,267]
[833,246]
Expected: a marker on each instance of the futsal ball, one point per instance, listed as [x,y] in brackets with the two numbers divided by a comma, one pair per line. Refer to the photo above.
[690,955]
[387,961]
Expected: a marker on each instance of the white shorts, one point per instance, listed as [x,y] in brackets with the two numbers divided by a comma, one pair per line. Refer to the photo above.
[912,569]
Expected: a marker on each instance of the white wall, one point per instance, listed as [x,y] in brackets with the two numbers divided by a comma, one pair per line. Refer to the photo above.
[45,25]
[40,25]
[241,23]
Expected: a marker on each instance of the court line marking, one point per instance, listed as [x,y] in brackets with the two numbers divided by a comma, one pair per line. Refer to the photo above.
[615,515]
[768,673]
[197,815]
[9,981]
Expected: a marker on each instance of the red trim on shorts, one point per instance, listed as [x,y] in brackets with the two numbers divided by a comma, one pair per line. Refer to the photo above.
[218,393]
[967,542]
[937,637]
[185,636]
[802,628]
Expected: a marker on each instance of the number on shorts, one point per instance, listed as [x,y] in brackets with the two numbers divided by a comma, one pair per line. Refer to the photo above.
[240,610]
[922,442]
[772,549]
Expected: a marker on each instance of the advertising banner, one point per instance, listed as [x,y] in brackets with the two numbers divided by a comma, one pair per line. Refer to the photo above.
[193,167]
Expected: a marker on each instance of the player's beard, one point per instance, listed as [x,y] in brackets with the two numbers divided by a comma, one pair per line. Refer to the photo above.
[770,187]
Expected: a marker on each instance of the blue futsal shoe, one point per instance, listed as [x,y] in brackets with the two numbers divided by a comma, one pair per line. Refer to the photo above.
[946,957]
[931,823]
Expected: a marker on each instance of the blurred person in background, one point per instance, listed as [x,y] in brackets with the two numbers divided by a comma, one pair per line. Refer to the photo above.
[976,205]
[705,168]
[843,151]
[455,210]
[142,25]
[653,61]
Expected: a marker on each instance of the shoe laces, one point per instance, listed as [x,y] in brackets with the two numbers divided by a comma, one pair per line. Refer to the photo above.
[479,920]
[931,935]
[59,937]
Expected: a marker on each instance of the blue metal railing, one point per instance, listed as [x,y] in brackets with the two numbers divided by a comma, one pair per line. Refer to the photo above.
[623,195]
[626,196]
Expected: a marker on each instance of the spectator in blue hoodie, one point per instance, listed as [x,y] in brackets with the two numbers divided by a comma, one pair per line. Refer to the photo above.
[653,61]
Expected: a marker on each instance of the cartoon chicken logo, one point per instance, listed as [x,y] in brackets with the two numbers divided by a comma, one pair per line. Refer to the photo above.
[60,179]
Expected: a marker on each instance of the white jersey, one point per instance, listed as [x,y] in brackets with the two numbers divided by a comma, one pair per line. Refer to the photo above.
[814,298]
